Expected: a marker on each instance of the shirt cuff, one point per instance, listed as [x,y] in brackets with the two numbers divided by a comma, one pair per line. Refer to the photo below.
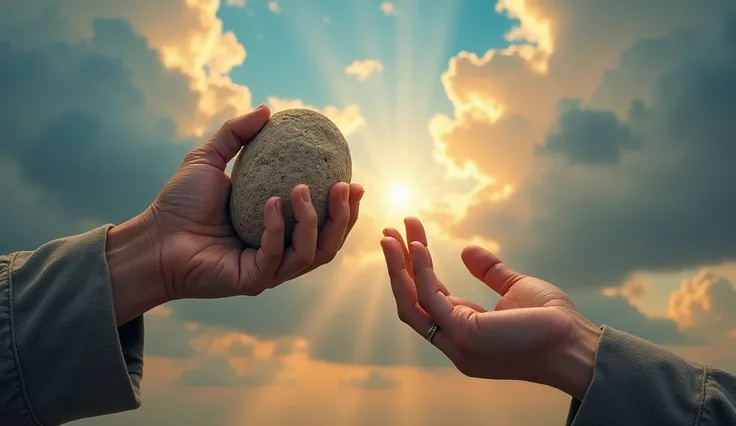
[636,382]
[74,362]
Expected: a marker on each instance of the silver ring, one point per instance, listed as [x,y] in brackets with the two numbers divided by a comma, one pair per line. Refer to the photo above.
[432,331]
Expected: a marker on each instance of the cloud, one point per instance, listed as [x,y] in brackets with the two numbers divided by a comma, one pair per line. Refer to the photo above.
[274,7]
[389,8]
[28,220]
[375,380]
[75,132]
[167,337]
[236,3]
[704,305]
[618,312]
[634,289]
[505,100]
[606,185]
[592,137]
[230,358]
[218,372]
[364,69]
[348,119]
[188,36]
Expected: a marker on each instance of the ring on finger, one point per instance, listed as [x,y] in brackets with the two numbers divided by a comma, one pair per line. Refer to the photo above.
[433,329]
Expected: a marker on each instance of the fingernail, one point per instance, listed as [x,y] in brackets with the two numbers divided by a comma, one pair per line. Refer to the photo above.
[278,206]
[361,192]
[305,195]
[261,106]
[345,194]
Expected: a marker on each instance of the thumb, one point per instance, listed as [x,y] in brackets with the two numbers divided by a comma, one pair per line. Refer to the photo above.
[227,141]
[488,268]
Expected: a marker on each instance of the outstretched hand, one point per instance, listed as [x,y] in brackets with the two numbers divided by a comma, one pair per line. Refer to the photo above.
[196,250]
[534,334]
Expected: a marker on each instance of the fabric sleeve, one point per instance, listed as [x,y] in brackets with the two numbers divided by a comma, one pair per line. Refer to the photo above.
[62,357]
[638,383]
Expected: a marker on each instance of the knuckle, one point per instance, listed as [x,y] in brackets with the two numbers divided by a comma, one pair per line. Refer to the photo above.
[276,226]
[193,155]
[312,219]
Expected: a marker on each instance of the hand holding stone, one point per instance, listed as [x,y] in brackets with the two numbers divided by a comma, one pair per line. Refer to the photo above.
[196,251]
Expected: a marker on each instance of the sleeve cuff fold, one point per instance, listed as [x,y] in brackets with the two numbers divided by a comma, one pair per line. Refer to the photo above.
[75,362]
[638,383]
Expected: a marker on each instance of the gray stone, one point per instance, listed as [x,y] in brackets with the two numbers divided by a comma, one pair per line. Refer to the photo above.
[296,146]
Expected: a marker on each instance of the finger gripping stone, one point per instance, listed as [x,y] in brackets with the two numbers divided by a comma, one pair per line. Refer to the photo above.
[296,146]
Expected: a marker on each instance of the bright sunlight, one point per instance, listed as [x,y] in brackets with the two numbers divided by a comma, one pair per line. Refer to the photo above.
[398,196]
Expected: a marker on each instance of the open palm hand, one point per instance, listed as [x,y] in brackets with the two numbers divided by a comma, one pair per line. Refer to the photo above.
[524,338]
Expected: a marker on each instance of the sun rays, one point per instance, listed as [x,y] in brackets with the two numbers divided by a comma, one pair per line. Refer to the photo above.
[391,158]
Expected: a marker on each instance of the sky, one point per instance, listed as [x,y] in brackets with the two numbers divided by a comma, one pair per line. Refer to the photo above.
[587,142]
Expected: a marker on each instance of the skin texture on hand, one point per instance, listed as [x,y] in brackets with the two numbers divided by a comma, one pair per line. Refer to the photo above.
[184,245]
[535,334]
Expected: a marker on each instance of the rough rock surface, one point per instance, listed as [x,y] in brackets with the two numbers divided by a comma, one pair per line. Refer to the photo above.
[296,146]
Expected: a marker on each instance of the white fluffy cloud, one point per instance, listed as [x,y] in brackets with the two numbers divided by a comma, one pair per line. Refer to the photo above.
[274,6]
[389,8]
[363,69]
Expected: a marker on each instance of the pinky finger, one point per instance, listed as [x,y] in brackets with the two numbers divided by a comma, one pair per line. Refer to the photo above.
[356,194]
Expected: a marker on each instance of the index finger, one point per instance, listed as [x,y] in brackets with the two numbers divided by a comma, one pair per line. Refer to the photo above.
[431,297]
[405,294]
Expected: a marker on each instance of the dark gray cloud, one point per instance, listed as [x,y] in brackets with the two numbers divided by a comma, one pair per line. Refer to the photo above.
[619,313]
[664,204]
[78,133]
[375,380]
[588,136]
[77,126]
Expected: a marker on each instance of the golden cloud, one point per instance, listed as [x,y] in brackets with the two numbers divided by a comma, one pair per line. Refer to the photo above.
[348,119]
[504,100]
[704,304]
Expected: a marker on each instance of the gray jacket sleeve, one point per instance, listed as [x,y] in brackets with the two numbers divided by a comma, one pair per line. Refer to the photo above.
[62,357]
[637,383]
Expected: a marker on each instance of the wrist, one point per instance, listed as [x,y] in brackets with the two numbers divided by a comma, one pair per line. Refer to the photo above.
[574,364]
[132,262]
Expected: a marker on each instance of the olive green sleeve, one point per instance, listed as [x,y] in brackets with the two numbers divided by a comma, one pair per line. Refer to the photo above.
[62,357]
[637,383]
